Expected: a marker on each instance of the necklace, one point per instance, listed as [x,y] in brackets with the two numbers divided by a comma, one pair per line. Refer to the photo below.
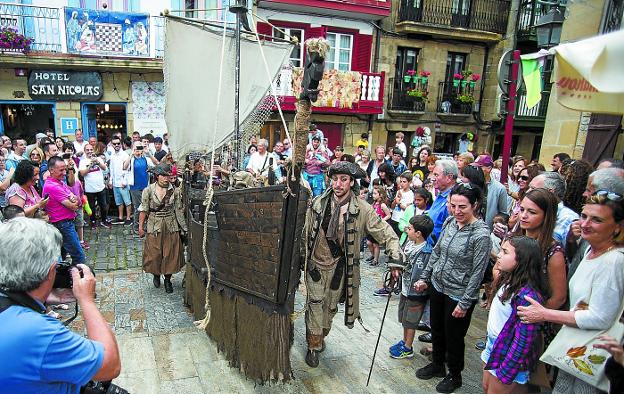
[598,254]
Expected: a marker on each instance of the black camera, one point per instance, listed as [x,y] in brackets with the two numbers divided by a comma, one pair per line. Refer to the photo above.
[66,156]
[63,278]
[101,388]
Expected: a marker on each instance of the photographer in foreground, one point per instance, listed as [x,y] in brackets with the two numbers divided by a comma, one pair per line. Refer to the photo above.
[40,354]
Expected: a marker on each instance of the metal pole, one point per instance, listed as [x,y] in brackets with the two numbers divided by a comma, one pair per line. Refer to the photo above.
[239,8]
[511,110]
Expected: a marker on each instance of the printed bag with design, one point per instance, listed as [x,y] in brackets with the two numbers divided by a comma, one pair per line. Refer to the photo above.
[573,351]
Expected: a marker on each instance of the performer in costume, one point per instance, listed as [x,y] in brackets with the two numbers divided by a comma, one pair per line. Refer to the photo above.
[161,205]
[336,223]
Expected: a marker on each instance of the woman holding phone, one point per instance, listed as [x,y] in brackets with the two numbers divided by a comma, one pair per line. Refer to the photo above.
[23,192]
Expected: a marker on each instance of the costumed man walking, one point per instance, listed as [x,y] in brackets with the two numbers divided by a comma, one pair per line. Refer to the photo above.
[336,223]
[161,206]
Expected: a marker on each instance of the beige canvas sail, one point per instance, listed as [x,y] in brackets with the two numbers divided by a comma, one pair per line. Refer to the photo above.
[191,67]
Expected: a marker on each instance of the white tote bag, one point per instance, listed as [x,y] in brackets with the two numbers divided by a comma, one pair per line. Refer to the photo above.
[573,351]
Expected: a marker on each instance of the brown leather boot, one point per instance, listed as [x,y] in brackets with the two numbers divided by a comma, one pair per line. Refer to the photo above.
[315,346]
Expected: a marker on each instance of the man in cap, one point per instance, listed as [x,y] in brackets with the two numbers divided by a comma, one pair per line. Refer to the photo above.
[496,193]
[162,223]
[336,223]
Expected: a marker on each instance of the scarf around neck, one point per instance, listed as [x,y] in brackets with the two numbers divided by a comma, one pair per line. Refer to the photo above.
[332,228]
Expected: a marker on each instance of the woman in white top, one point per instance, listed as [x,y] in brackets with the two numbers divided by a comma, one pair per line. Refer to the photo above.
[597,286]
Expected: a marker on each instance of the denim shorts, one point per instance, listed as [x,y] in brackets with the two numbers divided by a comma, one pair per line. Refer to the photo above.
[122,195]
[521,378]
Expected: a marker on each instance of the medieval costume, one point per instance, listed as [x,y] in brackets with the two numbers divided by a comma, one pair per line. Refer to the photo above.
[161,205]
[336,223]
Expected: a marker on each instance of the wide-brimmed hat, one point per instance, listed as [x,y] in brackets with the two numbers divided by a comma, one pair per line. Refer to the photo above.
[347,168]
[161,169]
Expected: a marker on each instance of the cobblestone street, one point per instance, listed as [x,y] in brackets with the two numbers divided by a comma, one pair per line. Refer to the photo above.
[163,352]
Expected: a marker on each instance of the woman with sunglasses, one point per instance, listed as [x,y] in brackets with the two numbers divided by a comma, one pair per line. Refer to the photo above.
[597,286]
[36,156]
[454,275]
[23,192]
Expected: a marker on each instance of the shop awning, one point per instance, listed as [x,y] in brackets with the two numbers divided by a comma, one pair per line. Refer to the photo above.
[589,74]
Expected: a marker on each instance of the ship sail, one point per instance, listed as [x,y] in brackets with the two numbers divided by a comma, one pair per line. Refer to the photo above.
[191,66]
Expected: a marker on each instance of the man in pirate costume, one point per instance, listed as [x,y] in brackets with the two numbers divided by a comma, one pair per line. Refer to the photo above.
[336,223]
[161,205]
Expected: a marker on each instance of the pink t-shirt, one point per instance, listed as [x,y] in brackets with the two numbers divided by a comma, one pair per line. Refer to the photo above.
[58,192]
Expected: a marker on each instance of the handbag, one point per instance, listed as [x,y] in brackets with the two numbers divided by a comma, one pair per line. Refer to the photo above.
[573,351]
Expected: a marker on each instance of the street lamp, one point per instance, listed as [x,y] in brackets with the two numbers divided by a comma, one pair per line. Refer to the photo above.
[548,28]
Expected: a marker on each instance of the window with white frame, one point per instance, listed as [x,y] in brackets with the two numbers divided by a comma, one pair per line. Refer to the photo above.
[340,51]
[296,56]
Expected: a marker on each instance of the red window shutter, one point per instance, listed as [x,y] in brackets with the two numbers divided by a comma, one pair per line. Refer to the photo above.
[266,29]
[315,32]
[362,48]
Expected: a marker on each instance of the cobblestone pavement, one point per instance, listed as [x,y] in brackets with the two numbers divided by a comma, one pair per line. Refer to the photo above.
[162,351]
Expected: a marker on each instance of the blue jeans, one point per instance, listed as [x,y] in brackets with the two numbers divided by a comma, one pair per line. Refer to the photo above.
[317,183]
[71,243]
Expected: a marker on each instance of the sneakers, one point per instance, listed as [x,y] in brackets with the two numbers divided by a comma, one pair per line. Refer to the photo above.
[128,222]
[383,292]
[397,345]
[85,245]
[431,370]
[106,225]
[426,338]
[118,221]
[370,259]
[401,352]
[449,384]
[423,327]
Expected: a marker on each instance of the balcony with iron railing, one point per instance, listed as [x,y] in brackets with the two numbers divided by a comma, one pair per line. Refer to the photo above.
[401,102]
[48,29]
[535,116]
[347,97]
[529,12]
[456,98]
[476,20]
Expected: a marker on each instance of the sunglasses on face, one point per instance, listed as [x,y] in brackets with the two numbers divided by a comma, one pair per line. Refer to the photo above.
[613,196]
[116,144]
[523,178]
[34,154]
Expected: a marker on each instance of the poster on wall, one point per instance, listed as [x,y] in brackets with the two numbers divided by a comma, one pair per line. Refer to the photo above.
[108,33]
[148,107]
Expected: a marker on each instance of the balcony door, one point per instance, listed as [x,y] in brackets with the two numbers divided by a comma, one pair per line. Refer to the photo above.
[455,64]
[460,13]
[407,59]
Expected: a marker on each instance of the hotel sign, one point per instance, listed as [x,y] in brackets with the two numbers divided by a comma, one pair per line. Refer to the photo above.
[65,85]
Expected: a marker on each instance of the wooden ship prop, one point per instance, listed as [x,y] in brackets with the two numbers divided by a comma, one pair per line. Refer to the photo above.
[243,256]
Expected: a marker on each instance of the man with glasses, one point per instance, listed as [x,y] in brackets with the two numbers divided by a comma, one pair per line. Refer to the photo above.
[137,166]
[287,148]
[121,190]
[92,170]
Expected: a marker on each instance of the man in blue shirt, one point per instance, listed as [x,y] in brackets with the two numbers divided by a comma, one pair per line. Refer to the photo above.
[397,162]
[444,177]
[39,354]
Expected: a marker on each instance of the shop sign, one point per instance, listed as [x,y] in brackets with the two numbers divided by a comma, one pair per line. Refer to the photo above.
[65,85]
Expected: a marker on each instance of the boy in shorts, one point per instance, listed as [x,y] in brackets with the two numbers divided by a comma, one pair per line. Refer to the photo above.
[412,304]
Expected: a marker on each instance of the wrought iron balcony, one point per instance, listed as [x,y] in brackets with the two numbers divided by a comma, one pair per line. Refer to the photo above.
[399,100]
[535,114]
[456,98]
[529,13]
[47,27]
[480,15]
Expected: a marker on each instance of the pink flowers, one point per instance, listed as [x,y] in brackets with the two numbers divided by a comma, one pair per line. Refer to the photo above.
[425,73]
[411,72]
[458,76]
[475,77]
[11,39]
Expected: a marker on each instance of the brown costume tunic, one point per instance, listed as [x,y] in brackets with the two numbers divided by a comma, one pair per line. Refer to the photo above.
[163,252]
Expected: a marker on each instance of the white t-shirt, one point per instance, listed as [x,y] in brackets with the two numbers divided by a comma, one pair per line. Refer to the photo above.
[401,145]
[94,179]
[117,173]
[79,146]
[499,314]
[406,198]
[258,164]
[599,283]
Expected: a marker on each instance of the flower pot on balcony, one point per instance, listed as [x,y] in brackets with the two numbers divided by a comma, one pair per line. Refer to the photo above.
[472,84]
[456,82]
[424,80]
[415,78]
[407,78]
[464,83]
